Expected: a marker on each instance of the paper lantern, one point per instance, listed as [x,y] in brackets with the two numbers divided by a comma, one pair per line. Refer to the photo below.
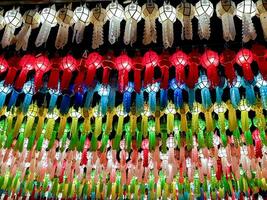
[227,58]
[210,61]
[13,20]
[178,93]
[103,91]
[123,64]
[4,91]
[150,13]
[127,96]
[225,10]
[245,10]
[81,20]
[203,12]
[167,16]
[150,60]
[152,90]
[132,14]
[115,14]
[28,90]
[65,20]
[68,66]
[244,108]
[98,19]
[193,62]
[137,67]
[185,14]
[244,58]
[179,60]
[203,85]
[27,64]
[260,56]
[13,67]
[108,64]
[41,67]
[2,21]
[262,85]
[48,20]
[92,63]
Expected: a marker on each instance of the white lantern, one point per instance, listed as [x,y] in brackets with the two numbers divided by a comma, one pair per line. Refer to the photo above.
[31,20]
[98,19]
[204,11]
[167,16]
[225,10]
[245,11]
[81,20]
[185,14]
[115,14]
[262,14]
[132,16]
[13,20]
[65,20]
[48,20]
[150,13]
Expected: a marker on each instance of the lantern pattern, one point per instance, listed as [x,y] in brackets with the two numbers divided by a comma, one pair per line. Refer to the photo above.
[42,66]
[244,58]
[132,14]
[226,11]
[48,20]
[92,63]
[245,11]
[150,60]
[179,60]
[68,65]
[167,16]
[123,64]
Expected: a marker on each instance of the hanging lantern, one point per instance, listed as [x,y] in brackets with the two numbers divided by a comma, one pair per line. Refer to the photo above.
[244,108]
[3,65]
[260,55]
[31,20]
[227,58]
[185,14]
[65,20]
[178,93]
[170,112]
[27,64]
[244,58]
[167,16]
[98,19]
[54,93]
[193,63]
[179,60]
[41,67]
[210,61]
[262,14]
[4,91]
[13,67]
[203,85]
[150,13]
[132,14]
[81,20]
[48,20]
[137,67]
[152,90]
[68,66]
[150,60]
[28,90]
[234,91]
[13,20]
[145,148]
[262,85]
[123,64]
[115,14]
[92,63]
[2,21]
[164,65]
[225,10]
[108,64]
[220,109]
[127,96]
[103,91]
[245,10]
[204,11]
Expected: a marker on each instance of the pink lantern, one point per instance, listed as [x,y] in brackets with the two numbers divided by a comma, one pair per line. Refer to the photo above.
[179,60]
[68,66]
[145,147]
[150,60]
[244,58]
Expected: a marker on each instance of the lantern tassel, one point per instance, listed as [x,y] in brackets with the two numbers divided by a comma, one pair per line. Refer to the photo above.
[89,98]
[206,99]
[127,101]
[178,98]
[163,98]
[26,103]
[52,102]
[65,104]
[235,96]
[11,75]
[13,99]
[65,80]
[21,78]
[53,79]
[137,80]
[152,101]
[247,72]
[149,75]
[90,75]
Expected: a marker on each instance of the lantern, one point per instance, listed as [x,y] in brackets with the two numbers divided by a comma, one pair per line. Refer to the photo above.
[227,61]
[145,148]
[244,108]
[262,85]
[108,64]
[150,13]
[98,19]
[3,65]
[244,58]
[204,11]
[137,67]
[179,60]
[144,123]
[28,90]
[178,93]
[132,14]
[123,64]
[31,114]
[65,20]
[2,21]
[150,60]
[170,112]
[75,115]
[220,109]
[31,20]
[127,95]
[115,14]
[92,63]
[164,65]
[68,66]
[193,63]
[260,55]
[225,10]
[245,10]
[152,90]
[195,117]
[167,16]
[185,14]
[103,91]
[54,93]
[27,64]
[262,13]
[210,61]
[13,67]
[81,20]
[13,20]
[203,85]
[48,20]
[4,91]
[41,67]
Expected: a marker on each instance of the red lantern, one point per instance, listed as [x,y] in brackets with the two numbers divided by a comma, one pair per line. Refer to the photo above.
[210,61]
[145,147]
[108,64]
[150,60]
[227,59]
[41,67]
[260,55]
[54,73]
[193,62]
[179,60]
[258,143]
[27,63]
[68,65]
[244,58]
[123,64]
[14,66]
[92,63]
[164,64]
[3,64]
[138,67]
